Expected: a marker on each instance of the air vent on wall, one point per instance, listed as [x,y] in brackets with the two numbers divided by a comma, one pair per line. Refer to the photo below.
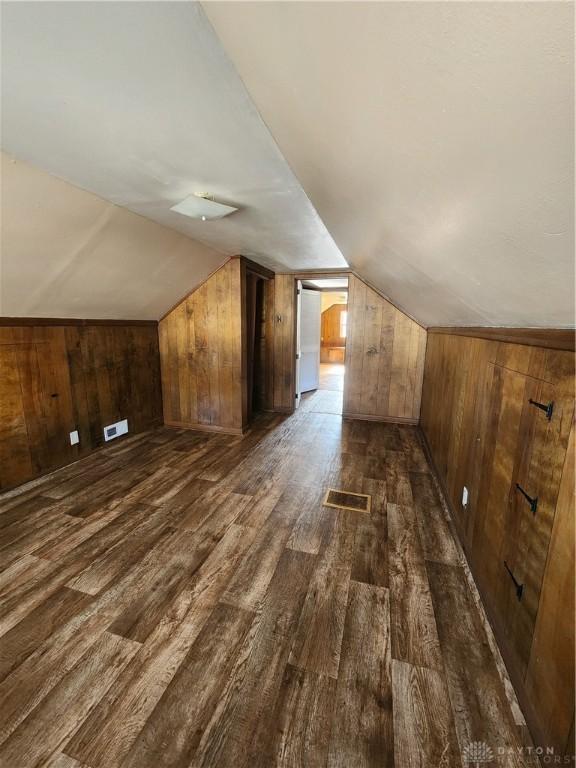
[115,430]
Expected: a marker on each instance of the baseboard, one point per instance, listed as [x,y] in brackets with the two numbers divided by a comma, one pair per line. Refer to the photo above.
[384,419]
[10,491]
[195,427]
[442,484]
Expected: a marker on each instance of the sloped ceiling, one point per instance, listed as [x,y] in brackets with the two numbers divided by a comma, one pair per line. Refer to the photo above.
[435,140]
[138,103]
[68,253]
[429,145]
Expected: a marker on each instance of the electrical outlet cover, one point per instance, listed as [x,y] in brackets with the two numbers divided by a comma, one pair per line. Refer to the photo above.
[464,496]
[74,437]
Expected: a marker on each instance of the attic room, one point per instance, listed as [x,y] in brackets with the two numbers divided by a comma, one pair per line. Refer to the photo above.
[287,335]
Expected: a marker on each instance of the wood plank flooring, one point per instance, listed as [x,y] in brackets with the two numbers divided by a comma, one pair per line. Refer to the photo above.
[183,599]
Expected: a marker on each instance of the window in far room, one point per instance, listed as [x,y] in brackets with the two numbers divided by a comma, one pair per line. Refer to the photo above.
[343,321]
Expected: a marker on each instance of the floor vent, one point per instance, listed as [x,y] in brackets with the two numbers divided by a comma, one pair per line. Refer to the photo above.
[357,502]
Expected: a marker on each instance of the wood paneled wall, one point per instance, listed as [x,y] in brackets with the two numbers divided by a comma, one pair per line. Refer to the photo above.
[201,355]
[483,433]
[330,332]
[384,358]
[284,342]
[384,354]
[79,376]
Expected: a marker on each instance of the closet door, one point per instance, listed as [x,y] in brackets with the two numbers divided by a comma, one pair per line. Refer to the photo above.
[36,413]
[521,467]
[538,474]
[15,460]
[509,425]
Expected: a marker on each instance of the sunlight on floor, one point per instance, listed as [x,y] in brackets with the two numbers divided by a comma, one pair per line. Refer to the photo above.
[328,397]
[332,376]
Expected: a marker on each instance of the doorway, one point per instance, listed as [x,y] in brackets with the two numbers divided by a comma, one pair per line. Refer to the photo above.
[321,331]
[259,339]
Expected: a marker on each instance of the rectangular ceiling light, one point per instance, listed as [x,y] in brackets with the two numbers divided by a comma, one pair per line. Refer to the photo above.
[197,207]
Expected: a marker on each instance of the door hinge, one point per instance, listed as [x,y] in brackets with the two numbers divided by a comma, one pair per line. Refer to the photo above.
[548,408]
[519,587]
[533,501]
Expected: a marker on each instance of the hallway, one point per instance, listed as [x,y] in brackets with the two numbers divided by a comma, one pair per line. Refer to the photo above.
[185,599]
[332,376]
[329,395]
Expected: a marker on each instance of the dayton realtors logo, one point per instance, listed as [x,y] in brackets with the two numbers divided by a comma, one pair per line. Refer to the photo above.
[477,754]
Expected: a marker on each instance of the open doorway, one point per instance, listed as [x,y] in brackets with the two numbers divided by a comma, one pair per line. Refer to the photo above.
[259,306]
[321,343]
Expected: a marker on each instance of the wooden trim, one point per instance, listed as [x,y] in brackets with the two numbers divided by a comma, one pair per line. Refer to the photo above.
[12,322]
[551,338]
[204,427]
[243,346]
[311,274]
[327,290]
[387,298]
[385,419]
[198,285]
[258,269]
[441,484]
[294,343]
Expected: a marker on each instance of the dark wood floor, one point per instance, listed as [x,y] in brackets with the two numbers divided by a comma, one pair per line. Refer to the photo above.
[181,599]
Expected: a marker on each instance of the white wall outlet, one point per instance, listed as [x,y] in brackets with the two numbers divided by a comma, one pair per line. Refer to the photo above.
[115,430]
[464,496]
[74,437]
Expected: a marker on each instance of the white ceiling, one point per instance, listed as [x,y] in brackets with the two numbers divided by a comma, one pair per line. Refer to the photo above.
[68,253]
[435,140]
[138,103]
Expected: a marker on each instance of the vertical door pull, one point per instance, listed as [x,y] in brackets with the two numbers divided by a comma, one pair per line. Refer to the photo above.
[533,501]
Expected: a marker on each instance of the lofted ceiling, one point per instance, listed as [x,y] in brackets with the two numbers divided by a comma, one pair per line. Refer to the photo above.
[138,103]
[435,140]
[427,145]
[68,253]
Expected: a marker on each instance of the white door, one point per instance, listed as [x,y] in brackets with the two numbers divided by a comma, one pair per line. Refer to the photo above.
[309,340]
[298,311]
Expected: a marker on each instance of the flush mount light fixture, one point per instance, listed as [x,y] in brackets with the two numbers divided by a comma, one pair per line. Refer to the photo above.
[202,207]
